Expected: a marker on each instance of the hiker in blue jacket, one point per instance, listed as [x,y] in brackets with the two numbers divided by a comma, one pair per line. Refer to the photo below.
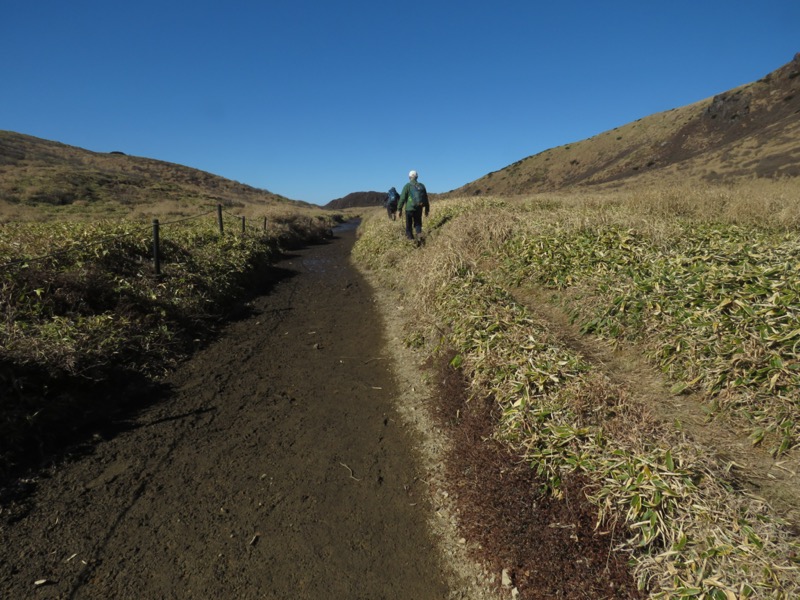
[391,203]
[414,198]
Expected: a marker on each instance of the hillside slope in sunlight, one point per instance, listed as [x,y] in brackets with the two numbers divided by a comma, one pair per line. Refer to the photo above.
[752,131]
[37,173]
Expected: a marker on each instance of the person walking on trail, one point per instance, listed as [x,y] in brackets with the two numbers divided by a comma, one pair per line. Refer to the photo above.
[414,198]
[391,203]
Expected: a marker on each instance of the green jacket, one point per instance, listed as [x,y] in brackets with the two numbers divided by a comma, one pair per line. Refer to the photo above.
[407,199]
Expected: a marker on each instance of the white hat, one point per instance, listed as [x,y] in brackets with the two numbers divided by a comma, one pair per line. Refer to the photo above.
[412,175]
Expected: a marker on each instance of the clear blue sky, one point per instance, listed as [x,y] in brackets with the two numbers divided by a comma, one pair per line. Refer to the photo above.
[314,99]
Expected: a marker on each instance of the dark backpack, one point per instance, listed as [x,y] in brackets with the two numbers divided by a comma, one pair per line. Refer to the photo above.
[416,195]
[391,200]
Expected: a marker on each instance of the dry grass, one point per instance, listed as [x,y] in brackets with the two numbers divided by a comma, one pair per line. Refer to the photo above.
[760,203]
[693,534]
[43,180]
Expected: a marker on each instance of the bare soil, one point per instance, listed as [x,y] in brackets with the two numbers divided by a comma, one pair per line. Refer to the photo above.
[274,466]
[304,453]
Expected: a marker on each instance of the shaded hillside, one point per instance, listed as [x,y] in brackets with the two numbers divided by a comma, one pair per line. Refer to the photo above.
[357,199]
[750,131]
[41,173]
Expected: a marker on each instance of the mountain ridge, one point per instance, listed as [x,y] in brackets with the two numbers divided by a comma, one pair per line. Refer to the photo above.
[35,172]
[749,131]
[357,200]
[752,131]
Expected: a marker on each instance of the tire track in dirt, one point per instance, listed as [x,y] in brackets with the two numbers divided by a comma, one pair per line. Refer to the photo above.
[274,466]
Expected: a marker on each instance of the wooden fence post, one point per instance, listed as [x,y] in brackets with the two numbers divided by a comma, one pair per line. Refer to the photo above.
[156,249]
[243,225]
[265,224]
[219,219]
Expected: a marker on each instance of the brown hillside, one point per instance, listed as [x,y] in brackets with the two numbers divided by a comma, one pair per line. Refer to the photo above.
[37,173]
[357,199]
[750,131]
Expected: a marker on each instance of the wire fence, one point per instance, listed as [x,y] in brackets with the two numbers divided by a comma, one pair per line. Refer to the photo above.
[156,237]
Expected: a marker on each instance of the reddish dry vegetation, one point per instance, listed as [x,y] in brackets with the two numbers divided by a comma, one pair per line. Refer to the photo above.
[550,546]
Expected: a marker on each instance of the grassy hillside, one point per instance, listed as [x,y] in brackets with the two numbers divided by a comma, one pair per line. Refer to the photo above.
[642,344]
[627,305]
[749,132]
[40,178]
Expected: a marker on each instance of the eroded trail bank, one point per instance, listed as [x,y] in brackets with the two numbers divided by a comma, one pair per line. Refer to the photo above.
[273,467]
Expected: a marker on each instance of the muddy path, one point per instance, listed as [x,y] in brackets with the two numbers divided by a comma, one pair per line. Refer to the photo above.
[273,464]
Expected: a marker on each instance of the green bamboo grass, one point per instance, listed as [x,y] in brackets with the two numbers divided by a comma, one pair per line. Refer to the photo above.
[665,282]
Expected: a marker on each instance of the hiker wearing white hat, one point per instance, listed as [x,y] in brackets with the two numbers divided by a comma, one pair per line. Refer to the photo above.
[414,198]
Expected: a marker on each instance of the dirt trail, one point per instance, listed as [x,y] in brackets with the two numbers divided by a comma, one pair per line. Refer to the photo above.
[275,466]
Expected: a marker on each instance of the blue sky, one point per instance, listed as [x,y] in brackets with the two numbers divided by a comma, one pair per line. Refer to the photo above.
[315,99]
